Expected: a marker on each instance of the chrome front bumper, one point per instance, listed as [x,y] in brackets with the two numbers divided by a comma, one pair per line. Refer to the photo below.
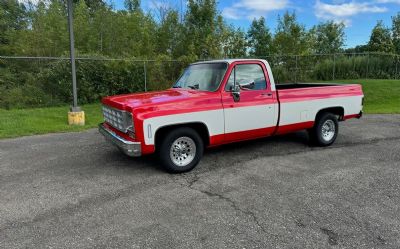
[128,147]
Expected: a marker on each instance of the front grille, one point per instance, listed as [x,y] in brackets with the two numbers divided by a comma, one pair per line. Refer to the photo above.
[118,119]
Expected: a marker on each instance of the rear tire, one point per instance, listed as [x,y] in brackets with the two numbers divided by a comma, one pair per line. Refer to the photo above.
[325,130]
[180,150]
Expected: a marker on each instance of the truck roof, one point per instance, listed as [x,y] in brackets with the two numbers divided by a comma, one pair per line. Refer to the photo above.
[229,61]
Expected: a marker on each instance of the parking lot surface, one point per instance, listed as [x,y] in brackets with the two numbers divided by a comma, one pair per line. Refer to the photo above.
[74,190]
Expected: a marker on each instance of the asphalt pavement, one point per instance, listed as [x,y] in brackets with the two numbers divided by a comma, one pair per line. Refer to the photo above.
[74,190]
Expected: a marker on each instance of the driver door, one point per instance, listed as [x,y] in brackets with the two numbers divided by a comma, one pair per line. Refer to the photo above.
[253,115]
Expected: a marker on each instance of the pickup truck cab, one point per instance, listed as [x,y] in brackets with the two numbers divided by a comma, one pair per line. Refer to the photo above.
[224,101]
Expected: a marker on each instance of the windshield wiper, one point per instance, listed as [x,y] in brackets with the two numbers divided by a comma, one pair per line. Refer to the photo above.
[196,86]
[176,87]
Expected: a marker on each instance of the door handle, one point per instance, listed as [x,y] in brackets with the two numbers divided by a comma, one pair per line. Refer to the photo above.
[266,94]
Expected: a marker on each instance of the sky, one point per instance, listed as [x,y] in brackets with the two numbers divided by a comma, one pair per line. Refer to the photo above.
[359,16]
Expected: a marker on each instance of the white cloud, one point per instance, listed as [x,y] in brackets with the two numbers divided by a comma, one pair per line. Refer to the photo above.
[388,1]
[231,13]
[249,9]
[343,12]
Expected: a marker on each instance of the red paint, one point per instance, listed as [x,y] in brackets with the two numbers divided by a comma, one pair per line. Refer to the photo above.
[314,93]
[283,129]
[178,101]
[155,104]
[257,133]
[250,134]
[351,116]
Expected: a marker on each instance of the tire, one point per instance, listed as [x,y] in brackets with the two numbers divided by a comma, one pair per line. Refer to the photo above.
[325,130]
[188,151]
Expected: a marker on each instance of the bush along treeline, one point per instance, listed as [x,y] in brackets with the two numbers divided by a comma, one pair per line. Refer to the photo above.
[26,83]
[156,44]
[323,67]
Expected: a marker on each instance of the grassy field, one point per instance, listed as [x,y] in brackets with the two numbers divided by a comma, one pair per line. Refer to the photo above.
[381,96]
[21,122]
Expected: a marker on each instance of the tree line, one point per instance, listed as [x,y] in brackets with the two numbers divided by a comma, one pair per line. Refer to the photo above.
[199,33]
[170,37]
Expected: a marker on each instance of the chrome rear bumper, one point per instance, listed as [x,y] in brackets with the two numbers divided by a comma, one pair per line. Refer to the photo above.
[128,147]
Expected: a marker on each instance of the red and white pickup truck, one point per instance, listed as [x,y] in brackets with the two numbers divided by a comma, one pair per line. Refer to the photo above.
[224,101]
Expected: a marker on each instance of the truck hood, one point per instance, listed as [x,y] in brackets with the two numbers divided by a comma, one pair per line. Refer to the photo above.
[162,100]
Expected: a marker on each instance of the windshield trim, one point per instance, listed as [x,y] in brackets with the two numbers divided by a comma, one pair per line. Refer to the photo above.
[198,63]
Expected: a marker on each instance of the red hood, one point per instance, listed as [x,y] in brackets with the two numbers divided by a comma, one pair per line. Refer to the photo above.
[167,99]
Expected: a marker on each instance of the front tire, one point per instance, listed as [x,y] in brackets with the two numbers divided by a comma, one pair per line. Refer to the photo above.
[325,130]
[181,150]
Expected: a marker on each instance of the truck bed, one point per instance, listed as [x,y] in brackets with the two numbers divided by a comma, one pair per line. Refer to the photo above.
[292,92]
[300,103]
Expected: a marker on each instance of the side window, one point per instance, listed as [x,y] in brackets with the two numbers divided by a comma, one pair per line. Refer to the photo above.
[248,76]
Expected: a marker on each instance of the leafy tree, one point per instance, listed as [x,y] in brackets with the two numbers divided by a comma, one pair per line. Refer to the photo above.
[328,37]
[234,43]
[94,5]
[203,28]
[132,5]
[259,38]
[380,40]
[48,35]
[12,24]
[169,34]
[290,36]
[101,21]
[396,32]
[83,36]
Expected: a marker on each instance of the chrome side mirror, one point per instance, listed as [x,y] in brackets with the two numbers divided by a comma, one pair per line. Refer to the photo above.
[236,93]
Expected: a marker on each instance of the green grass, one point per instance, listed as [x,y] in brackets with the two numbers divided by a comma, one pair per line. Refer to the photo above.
[22,122]
[381,96]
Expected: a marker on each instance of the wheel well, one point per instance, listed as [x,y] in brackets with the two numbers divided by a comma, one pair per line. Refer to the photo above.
[339,111]
[200,128]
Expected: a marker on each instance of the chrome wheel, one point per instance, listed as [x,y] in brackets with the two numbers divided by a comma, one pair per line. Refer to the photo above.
[183,151]
[328,130]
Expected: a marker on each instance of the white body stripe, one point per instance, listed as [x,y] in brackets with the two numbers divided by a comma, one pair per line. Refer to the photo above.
[213,119]
[303,111]
[252,117]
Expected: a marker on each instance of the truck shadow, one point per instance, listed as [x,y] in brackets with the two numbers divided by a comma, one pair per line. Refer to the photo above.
[229,154]
[298,139]
[222,155]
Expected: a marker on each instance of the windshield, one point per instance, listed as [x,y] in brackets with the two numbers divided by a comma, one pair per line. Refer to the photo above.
[204,76]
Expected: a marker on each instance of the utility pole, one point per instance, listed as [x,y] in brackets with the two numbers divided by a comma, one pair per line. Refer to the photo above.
[75,116]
